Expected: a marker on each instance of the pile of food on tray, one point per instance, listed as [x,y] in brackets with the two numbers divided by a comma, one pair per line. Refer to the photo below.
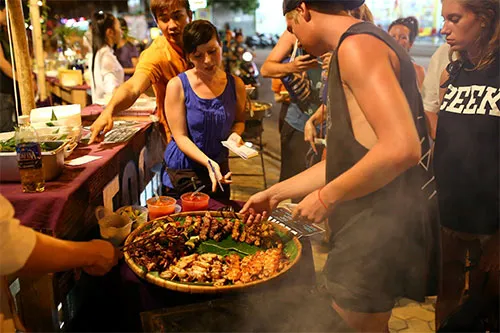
[260,106]
[206,249]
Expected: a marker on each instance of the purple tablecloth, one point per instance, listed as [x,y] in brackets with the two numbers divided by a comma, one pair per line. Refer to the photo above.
[92,111]
[73,191]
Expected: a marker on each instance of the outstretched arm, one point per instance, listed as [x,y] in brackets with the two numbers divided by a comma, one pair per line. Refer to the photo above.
[27,252]
[50,254]
[123,98]
[295,187]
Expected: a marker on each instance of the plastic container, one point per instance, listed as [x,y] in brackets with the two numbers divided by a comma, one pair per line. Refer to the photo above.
[197,202]
[52,163]
[137,214]
[113,227]
[163,206]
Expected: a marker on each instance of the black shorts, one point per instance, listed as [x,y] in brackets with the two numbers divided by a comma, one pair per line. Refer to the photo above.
[375,259]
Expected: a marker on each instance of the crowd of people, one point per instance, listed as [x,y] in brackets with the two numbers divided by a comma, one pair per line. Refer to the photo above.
[401,176]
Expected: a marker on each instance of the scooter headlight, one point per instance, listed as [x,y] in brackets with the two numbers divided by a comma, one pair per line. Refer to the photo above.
[247,56]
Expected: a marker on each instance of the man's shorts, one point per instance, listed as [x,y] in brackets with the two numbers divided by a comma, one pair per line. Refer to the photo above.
[376,257]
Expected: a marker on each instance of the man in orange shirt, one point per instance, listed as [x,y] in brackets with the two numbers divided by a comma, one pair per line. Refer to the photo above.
[159,63]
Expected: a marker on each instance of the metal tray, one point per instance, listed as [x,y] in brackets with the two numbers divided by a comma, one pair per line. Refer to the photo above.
[53,164]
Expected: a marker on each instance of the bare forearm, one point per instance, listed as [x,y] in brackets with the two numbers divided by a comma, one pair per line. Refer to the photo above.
[55,255]
[432,119]
[277,70]
[375,170]
[238,127]
[123,98]
[6,68]
[301,184]
[318,115]
[191,150]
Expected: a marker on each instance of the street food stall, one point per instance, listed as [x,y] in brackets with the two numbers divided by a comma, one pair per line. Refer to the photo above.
[206,253]
[125,173]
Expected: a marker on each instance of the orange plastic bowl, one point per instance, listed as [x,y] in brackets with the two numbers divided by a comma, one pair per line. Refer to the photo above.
[198,202]
[160,207]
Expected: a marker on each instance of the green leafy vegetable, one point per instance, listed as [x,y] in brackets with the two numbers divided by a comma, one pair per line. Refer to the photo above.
[227,246]
[50,124]
[8,145]
[53,117]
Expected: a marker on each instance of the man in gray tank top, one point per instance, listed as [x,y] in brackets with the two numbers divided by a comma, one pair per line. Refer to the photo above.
[376,186]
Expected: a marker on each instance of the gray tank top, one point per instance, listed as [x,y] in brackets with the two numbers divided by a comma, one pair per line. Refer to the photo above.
[410,193]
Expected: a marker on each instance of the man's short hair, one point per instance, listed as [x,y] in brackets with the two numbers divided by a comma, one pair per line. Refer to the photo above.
[158,6]
[2,4]
[322,5]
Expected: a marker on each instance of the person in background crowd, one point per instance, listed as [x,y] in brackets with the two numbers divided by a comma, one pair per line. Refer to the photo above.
[282,96]
[373,187]
[363,13]
[467,164]
[7,100]
[277,65]
[404,31]
[107,73]
[24,251]
[159,63]
[235,52]
[430,89]
[229,35]
[205,106]
[310,134]
[87,40]
[126,52]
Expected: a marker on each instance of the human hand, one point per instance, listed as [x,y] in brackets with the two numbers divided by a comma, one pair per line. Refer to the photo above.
[105,256]
[304,62]
[310,134]
[489,261]
[325,58]
[215,174]
[103,123]
[311,210]
[236,138]
[261,202]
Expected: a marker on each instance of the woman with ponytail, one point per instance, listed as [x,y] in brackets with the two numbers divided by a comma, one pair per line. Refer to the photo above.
[107,73]
[404,31]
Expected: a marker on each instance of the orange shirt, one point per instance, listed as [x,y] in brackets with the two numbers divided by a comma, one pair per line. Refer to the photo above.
[161,61]
[277,86]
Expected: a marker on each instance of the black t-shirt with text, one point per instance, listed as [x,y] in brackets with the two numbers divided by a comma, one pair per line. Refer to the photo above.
[467,152]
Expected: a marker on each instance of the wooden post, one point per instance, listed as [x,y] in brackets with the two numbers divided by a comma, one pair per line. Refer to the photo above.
[21,56]
[38,48]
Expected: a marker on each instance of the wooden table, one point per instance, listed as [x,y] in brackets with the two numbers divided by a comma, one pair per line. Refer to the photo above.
[68,95]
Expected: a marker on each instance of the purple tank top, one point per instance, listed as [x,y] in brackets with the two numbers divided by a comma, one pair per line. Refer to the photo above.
[209,121]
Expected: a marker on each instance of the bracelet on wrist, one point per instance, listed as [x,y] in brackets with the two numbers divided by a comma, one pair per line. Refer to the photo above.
[320,200]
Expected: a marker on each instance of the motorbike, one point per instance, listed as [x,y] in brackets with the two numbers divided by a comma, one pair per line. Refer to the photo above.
[242,65]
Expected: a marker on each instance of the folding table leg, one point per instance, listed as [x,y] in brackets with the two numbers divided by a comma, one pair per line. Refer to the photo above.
[262,160]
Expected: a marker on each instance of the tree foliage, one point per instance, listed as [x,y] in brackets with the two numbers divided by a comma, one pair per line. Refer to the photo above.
[247,6]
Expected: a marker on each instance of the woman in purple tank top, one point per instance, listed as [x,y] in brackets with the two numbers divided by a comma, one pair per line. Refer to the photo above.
[204,106]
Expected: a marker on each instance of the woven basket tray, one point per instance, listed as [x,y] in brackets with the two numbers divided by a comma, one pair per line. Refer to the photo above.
[200,288]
